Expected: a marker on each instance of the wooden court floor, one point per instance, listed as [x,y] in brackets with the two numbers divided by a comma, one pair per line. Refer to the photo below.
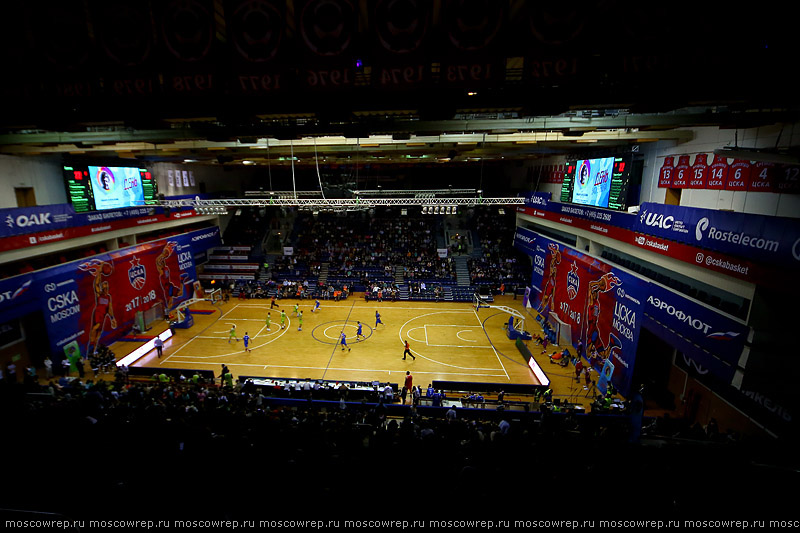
[451,342]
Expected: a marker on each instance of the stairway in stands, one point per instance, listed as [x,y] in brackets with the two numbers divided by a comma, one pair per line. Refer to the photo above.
[462,270]
[323,274]
[400,281]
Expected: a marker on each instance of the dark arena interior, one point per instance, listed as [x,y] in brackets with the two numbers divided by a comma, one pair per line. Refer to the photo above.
[398,260]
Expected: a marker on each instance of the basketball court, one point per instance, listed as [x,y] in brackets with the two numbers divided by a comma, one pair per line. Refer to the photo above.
[451,342]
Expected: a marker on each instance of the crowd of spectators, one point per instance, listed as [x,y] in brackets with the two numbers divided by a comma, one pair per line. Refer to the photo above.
[205,450]
[368,247]
[499,263]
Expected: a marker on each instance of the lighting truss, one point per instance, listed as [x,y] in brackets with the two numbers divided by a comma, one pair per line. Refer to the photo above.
[416,193]
[211,210]
[356,203]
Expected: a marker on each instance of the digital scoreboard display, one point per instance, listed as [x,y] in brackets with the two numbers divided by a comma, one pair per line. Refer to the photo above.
[601,182]
[592,182]
[91,188]
[618,192]
[79,189]
[566,185]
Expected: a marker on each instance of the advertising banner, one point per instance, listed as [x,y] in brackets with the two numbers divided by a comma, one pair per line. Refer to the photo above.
[26,220]
[16,297]
[773,239]
[698,361]
[701,325]
[52,223]
[602,305]
[95,300]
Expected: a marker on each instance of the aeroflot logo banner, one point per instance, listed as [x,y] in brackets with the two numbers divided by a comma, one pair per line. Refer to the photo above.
[773,239]
[708,329]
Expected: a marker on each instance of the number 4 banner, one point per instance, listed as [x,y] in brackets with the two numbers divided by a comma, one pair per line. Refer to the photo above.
[762,177]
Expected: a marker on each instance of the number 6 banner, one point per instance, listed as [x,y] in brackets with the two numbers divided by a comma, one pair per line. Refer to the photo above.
[682,173]
[738,175]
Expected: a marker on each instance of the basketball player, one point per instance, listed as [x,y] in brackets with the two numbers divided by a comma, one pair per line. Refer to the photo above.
[593,341]
[316,306]
[273,304]
[359,333]
[344,342]
[300,318]
[269,321]
[283,319]
[169,289]
[233,334]
[550,286]
[103,308]
[296,309]
[408,352]
[378,319]
[246,340]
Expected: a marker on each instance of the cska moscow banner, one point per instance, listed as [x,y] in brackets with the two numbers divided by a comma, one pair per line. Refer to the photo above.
[95,301]
[602,305]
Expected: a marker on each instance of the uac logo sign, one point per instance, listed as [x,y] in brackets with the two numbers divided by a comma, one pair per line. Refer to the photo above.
[656,220]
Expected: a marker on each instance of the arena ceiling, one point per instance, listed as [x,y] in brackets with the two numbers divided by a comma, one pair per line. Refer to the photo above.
[229,82]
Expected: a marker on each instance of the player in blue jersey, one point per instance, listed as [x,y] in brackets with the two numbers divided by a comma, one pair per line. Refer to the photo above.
[246,340]
[344,342]
[378,319]
[359,333]
[316,306]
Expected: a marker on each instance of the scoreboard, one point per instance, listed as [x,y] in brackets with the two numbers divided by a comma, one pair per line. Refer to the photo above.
[95,187]
[618,192]
[79,189]
[602,182]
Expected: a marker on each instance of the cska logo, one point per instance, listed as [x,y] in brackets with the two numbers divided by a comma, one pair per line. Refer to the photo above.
[137,274]
[573,281]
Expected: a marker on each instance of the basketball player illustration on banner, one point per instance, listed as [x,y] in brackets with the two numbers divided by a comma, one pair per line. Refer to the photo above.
[103,307]
[169,288]
[549,290]
[594,342]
